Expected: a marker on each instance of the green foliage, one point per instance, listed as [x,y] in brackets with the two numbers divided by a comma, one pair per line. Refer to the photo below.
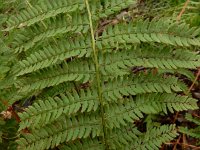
[8,134]
[83,83]
[194,132]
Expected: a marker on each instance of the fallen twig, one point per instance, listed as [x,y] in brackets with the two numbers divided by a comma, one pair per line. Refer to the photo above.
[183,10]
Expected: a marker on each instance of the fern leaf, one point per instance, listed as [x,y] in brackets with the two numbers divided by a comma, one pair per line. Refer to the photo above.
[166,101]
[120,138]
[48,9]
[149,58]
[194,132]
[113,6]
[53,28]
[190,132]
[46,111]
[51,55]
[85,144]
[117,138]
[161,31]
[56,90]
[140,84]
[133,109]
[63,130]
[79,59]
[162,134]
[187,73]
[56,75]
[193,119]
[43,11]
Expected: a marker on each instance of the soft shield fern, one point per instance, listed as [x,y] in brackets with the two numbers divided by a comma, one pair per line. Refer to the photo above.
[86,93]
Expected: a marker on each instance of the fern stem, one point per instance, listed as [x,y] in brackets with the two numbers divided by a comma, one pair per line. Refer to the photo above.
[95,53]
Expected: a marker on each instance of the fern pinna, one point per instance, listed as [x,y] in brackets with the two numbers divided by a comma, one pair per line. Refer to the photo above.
[86,90]
[193,132]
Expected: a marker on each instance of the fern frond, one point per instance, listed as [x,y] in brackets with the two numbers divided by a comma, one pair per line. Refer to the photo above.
[192,119]
[161,31]
[113,6]
[165,101]
[56,90]
[194,132]
[46,111]
[140,84]
[120,138]
[51,55]
[161,134]
[65,129]
[55,75]
[92,70]
[149,58]
[133,109]
[48,9]
[187,73]
[54,27]
[116,139]
[43,11]
[85,144]
[191,132]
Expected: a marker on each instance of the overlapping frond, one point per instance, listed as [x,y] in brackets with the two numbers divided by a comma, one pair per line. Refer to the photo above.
[113,6]
[196,120]
[120,138]
[140,84]
[193,132]
[133,109]
[46,111]
[48,9]
[84,144]
[65,129]
[51,28]
[168,102]
[161,134]
[56,90]
[149,58]
[117,138]
[43,11]
[53,54]
[160,31]
[55,75]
